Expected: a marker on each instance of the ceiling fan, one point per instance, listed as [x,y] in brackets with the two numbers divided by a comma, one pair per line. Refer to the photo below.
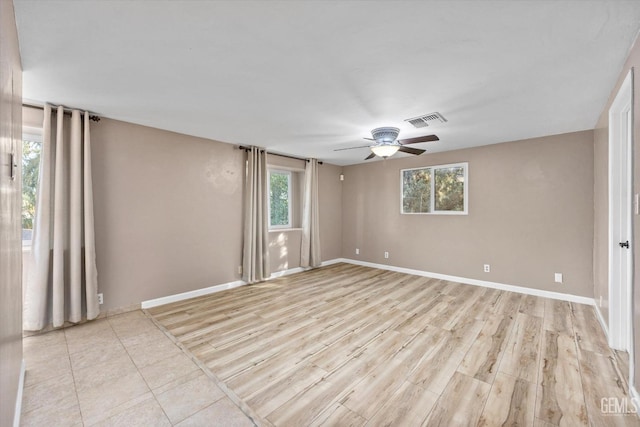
[387,143]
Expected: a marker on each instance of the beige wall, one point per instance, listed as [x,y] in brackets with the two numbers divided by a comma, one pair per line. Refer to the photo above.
[530,215]
[10,218]
[600,255]
[168,213]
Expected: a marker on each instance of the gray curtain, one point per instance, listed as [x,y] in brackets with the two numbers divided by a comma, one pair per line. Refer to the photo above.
[63,279]
[255,254]
[310,247]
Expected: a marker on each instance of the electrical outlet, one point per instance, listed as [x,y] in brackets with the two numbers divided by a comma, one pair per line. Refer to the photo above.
[239,269]
[100,298]
[357,251]
[558,277]
[487,268]
[386,254]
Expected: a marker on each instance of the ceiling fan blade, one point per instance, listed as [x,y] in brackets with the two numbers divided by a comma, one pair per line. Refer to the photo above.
[416,151]
[352,148]
[369,139]
[370,156]
[418,139]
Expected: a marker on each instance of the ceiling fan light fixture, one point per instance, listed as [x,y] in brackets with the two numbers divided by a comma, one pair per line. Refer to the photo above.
[385,134]
[385,150]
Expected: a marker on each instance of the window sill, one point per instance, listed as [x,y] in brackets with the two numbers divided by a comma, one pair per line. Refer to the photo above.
[279,230]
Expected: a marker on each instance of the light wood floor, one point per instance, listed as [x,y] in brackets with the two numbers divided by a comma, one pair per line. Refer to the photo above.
[350,345]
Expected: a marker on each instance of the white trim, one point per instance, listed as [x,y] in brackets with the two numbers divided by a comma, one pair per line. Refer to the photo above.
[281,273]
[18,408]
[620,294]
[283,230]
[191,294]
[223,287]
[332,261]
[493,285]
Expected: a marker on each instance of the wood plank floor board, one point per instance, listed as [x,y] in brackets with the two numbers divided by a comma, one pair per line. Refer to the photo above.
[421,346]
[270,398]
[410,405]
[352,345]
[304,407]
[461,403]
[487,304]
[338,415]
[532,306]
[434,371]
[600,379]
[368,395]
[588,332]
[522,353]
[560,396]
[413,294]
[557,317]
[511,402]
[483,358]
[508,304]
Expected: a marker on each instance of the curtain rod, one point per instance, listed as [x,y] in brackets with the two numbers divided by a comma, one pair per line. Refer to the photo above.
[242,147]
[67,110]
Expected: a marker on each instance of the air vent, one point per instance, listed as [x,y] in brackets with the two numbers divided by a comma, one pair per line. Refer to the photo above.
[423,121]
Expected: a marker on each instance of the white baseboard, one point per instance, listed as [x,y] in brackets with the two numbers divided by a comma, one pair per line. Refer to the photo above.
[218,288]
[494,285]
[501,286]
[18,408]
[191,294]
[286,272]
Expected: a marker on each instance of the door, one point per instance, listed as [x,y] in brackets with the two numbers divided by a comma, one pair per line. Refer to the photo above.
[621,207]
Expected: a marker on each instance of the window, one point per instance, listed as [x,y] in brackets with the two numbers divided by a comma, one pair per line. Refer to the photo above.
[434,190]
[279,199]
[31,147]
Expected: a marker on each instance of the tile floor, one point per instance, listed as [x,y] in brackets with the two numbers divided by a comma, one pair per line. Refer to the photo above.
[119,371]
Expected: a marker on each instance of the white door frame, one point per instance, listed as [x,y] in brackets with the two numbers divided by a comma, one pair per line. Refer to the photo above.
[620,220]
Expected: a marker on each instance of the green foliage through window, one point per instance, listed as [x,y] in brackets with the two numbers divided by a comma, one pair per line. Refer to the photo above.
[416,191]
[279,194]
[30,169]
[445,183]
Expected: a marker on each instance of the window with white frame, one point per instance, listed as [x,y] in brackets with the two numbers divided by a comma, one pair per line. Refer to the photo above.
[280,203]
[440,189]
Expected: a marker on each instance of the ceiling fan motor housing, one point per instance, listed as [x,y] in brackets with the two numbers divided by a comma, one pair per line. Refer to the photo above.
[385,135]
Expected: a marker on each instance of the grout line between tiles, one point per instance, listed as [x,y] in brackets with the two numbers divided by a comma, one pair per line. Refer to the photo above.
[246,409]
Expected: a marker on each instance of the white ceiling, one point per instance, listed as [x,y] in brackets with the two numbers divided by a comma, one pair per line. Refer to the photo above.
[307,77]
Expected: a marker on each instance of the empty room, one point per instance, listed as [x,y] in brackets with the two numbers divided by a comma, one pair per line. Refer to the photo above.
[319,213]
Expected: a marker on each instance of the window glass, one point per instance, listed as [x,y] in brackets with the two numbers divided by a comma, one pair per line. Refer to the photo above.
[31,148]
[279,199]
[449,185]
[416,190]
[434,190]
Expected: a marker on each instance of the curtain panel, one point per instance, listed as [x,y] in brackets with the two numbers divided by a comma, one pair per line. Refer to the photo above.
[310,255]
[255,252]
[62,284]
